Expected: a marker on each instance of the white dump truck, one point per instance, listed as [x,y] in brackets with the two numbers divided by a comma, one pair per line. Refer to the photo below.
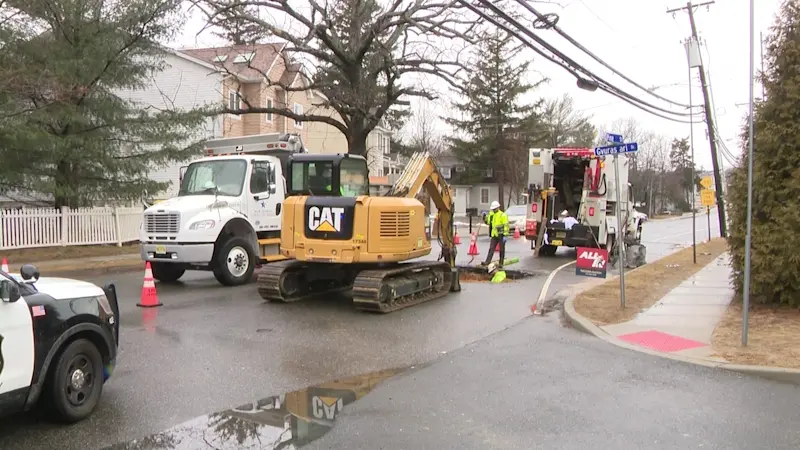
[226,217]
[575,180]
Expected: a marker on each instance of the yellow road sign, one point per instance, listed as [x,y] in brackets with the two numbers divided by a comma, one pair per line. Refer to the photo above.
[707,182]
[707,197]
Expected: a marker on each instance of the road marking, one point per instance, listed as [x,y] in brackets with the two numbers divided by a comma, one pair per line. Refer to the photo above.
[546,286]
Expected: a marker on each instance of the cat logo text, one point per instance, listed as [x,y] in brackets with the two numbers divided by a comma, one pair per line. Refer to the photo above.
[325,219]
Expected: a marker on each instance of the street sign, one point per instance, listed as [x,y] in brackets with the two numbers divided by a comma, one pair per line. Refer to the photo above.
[591,262]
[616,149]
[707,197]
[615,138]
[707,182]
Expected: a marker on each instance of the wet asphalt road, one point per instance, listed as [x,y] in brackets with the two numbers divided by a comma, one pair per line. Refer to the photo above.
[211,347]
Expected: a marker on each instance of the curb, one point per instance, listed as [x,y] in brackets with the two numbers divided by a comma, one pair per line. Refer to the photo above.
[585,325]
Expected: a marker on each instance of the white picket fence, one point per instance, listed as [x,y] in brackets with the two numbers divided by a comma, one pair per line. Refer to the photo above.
[47,227]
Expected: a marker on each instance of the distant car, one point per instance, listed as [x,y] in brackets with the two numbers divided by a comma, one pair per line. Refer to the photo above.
[516,216]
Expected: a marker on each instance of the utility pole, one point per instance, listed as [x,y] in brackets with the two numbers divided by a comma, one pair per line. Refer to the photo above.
[723,226]
[763,92]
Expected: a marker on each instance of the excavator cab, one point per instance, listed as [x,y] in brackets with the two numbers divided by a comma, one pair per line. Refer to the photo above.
[337,237]
[340,175]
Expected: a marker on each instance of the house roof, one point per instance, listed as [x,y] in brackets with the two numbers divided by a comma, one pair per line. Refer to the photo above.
[247,60]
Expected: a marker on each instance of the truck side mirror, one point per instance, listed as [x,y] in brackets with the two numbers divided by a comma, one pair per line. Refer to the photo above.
[9,291]
[181,174]
[272,188]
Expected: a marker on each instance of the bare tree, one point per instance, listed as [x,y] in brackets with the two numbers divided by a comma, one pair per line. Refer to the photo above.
[424,135]
[363,52]
[564,125]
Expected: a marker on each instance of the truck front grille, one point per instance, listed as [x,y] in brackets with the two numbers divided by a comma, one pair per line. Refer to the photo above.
[395,224]
[162,222]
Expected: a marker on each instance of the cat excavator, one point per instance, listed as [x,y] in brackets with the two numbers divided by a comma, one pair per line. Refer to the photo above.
[337,237]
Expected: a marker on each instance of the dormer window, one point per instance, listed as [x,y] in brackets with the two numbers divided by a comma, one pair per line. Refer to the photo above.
[220,58]
[244,57]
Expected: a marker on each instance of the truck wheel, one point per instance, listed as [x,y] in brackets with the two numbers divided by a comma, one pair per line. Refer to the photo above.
[235,262]
[75,382]
[548,250]
[166,272]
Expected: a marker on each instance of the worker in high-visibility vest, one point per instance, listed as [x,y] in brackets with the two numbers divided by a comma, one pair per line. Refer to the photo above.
[498,227]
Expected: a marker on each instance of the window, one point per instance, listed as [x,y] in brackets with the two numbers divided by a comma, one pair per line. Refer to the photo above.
[268,104]
[460,169]
[220,58]
[484,196]
[311,177]
[386,145]
[260,177]
[298,109]
[244,57]
[354,178]
[446,172]
[234,102]
[489,173]
[222,177]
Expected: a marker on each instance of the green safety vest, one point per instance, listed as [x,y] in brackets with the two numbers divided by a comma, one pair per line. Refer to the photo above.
[341,189]
[498,223]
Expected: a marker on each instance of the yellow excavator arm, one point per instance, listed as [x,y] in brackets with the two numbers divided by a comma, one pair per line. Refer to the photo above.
[421,172]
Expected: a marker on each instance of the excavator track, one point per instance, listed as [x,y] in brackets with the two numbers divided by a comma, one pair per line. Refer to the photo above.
[287,281]
[401,286]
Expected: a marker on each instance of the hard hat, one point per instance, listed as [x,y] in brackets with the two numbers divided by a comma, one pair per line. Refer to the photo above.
[495,204]
[564,213]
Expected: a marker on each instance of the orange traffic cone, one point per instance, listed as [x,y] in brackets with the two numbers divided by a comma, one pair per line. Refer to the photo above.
[4,267]
[516,232]
[149,297]
[456,239]
[473,245]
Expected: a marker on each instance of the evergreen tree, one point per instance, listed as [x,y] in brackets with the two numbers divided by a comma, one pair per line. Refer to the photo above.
[68,131]
[776,174]
[495,119]
[681,160]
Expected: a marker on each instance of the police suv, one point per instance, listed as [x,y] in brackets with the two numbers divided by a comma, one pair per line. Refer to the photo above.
[58,342]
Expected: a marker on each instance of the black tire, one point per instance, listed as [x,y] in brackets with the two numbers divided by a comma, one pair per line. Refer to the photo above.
[234,248]
[75,382]
[548,250]
[167,272]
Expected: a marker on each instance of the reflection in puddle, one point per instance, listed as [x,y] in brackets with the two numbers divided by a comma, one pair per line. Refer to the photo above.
[286,421]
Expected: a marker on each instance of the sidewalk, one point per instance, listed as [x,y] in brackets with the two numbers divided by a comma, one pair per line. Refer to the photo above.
[680,326]
[683,321]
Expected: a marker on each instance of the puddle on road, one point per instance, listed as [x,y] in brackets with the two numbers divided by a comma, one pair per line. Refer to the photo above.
[285,421]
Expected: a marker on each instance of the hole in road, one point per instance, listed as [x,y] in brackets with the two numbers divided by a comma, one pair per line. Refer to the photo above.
[472,274]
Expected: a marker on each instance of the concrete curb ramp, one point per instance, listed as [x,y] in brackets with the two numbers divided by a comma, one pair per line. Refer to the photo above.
[585,325]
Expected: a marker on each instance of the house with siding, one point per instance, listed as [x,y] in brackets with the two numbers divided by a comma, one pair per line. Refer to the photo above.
[257,74]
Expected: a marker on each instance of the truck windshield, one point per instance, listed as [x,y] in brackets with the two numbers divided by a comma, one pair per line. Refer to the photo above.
[222,177]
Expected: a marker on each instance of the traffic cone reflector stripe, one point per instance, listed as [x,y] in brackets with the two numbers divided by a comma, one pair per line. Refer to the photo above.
[4,267]
[473,244]
[149,297]
[456,239]
[516,232]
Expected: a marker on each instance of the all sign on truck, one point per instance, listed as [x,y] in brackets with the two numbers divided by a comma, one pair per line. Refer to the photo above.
[577,181]
[227,214]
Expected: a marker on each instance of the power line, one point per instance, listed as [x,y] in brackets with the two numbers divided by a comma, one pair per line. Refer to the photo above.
[554,26]
[567,63]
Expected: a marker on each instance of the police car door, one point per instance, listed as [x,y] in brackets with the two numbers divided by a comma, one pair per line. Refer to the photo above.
[16,344]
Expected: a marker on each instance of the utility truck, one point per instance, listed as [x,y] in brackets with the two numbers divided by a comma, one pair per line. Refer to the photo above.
[575,180]
[227,215]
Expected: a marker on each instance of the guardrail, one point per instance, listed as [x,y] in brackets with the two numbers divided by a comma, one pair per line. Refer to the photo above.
[49,227]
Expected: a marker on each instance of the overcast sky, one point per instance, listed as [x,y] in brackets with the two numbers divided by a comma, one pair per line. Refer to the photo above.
[639,39]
